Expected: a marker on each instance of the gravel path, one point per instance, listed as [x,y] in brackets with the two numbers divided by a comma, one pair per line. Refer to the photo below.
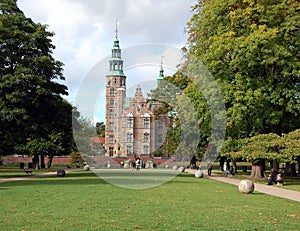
[267,189]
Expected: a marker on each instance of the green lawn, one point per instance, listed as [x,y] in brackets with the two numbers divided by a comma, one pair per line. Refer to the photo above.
[82,201]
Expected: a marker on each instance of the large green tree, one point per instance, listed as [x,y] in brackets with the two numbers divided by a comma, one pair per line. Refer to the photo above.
[252,50]
[32,110]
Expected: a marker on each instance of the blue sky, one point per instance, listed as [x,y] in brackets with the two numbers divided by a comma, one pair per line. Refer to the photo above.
[85,30]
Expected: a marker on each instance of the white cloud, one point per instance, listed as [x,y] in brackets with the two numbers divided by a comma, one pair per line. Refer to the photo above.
[84,29]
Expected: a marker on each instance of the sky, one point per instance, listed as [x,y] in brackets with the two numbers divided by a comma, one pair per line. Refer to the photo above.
[151,32]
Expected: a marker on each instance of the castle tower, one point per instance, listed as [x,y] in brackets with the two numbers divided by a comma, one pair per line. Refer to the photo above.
[115,98]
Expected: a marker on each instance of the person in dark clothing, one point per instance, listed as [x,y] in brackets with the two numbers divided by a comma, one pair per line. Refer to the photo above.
[193,162]
[272,177]
[209,168]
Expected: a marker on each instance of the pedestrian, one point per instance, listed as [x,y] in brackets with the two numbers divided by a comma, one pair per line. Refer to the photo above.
[138,163]
[272,176]
[209,168]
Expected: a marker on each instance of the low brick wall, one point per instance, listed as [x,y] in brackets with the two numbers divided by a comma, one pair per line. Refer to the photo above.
[66,160]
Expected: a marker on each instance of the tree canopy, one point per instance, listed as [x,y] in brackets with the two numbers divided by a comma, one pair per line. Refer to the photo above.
[252,50]
[32,110]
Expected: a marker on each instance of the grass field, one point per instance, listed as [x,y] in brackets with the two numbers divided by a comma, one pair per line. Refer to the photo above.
[82,201]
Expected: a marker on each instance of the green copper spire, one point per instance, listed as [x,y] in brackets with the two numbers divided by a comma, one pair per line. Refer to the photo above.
[161,71]
[116,62]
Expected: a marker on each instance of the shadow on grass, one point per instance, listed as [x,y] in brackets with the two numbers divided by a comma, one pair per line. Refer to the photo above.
[72,178]
[109,177]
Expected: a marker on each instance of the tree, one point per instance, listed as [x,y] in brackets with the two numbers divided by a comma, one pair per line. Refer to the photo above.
[292,152]
[32,110]
[100,129]
[269,147]
[83,131]
[252,50]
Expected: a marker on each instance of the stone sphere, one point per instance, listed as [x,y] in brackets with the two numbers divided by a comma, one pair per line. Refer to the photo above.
[246,186]
[175,167]
[199,174]
[181,169]
[86,168]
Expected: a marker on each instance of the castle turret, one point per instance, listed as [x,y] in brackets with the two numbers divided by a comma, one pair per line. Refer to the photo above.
[115,98]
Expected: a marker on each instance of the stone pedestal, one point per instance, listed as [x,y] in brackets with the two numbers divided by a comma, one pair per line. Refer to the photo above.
[181,169]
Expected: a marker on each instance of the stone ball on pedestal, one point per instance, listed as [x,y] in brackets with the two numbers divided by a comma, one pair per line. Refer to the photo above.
[246,186]
[199,174]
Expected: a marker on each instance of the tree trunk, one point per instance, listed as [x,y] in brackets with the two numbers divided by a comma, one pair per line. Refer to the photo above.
[290,169]
[222,161]
[258,170]
[234,166]
[35,162]
[43,161]
[49,163]
[275,165]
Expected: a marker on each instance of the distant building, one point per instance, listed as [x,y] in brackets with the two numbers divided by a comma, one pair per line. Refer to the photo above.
[130,126]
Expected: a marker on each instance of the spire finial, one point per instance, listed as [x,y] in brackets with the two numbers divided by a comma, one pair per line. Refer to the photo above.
[117,31]
[161,72]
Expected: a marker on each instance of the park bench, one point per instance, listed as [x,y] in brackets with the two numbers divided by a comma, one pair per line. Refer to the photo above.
[28,171]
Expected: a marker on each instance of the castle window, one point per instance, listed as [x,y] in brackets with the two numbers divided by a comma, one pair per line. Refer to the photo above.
[112,92]
[130,122]
[111,151]
[146,137]
[111,102]
[129,150]
[159,125]
[159,139]
[146,149]
[111,139]
[111,126]
[115,78]
[146,122]
[111,113]
[129,137]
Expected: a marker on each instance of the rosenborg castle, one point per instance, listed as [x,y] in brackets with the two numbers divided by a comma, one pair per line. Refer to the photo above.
[130,125]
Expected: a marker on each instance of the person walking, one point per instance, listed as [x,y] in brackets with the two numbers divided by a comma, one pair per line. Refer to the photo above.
[209,168]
